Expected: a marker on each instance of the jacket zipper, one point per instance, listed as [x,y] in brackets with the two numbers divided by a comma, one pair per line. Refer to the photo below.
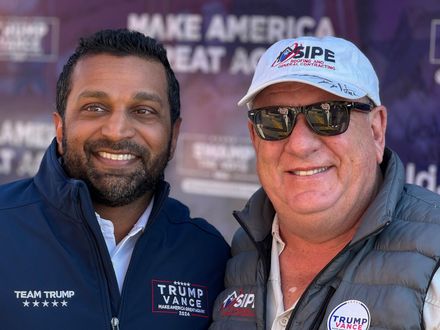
[115,323]
[159,201]
[321,313]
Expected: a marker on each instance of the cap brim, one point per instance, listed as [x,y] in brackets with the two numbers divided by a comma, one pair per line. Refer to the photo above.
[342,89]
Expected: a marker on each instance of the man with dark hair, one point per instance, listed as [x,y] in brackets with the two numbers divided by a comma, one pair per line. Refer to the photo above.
[334,239]
[93,241]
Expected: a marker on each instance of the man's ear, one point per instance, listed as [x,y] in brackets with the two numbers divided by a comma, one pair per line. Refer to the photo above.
[58,122]
[174,135]
[378,120]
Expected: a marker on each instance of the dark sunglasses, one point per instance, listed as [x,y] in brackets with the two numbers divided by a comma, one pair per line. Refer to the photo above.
[325,118]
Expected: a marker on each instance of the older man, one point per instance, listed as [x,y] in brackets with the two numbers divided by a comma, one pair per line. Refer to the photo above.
[334,239]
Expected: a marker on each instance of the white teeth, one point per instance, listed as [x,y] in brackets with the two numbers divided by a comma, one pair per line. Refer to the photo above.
[108,155]
[310,172]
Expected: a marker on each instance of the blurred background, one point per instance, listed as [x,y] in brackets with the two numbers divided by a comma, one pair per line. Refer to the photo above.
[213,47]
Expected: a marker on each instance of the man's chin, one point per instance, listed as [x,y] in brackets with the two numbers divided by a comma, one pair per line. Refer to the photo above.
[115,173]
[100,200]
[119,191]
[115,197]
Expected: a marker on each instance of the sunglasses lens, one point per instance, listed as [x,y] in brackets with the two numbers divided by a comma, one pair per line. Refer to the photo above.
[273,123]
[328,119]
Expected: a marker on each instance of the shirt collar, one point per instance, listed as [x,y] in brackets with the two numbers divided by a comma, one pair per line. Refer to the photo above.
[276,235]
[107,227]
[143,219]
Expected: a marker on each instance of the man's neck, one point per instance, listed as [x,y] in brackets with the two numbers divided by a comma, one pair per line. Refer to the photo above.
[123,217]
[301,261]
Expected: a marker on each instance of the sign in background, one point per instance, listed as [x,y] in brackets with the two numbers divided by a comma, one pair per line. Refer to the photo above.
[213,47]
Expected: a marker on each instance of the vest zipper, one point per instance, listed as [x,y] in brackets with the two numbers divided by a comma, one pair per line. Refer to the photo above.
[320,316]
[115,323]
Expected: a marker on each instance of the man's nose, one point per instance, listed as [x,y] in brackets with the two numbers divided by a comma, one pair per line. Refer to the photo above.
[303,140]
[118,126]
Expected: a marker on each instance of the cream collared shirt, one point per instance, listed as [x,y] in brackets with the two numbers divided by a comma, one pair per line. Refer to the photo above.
[277,316]
[120,253]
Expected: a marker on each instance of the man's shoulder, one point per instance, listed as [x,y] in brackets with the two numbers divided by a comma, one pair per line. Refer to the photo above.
[179,214]
[18,193]
[422,194]
[416,200]
[241,242]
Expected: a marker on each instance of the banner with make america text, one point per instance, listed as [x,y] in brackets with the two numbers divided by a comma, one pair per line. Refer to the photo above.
[213,47]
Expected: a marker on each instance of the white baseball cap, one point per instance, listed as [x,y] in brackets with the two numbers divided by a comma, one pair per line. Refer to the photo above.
[329,63]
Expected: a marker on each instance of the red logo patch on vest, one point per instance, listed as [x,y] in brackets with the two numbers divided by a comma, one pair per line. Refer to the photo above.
[239,303]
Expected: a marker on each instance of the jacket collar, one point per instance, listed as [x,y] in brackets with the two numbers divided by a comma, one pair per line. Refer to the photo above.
[257,216]
[380,212]
[56,187]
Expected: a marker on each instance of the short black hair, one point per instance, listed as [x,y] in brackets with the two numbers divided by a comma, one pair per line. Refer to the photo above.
[119,42]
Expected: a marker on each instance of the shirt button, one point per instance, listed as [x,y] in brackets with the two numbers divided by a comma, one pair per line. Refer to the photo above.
[284,321]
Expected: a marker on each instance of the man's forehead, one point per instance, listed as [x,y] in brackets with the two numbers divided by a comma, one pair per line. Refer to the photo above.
[299,93]
[293,88]
[99,60]
[96,70]
[290,86]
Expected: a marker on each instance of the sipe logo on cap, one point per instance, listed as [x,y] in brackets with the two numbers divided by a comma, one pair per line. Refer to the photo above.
[299,54]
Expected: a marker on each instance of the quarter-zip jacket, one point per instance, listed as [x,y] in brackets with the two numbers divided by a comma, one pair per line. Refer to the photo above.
[385,270]
[56,272]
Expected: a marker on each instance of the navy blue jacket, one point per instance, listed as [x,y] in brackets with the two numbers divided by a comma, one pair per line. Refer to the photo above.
[56,272]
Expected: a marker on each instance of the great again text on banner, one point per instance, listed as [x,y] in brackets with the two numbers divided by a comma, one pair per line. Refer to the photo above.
[197,46]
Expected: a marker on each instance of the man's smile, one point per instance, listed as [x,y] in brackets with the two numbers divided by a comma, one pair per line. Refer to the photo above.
[309,172]
[116,156]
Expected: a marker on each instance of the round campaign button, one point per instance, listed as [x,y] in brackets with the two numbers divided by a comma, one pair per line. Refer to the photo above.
[349,315]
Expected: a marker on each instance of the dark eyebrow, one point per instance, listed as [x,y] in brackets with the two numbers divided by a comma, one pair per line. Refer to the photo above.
[94,94]
[146,96]
[139,96]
